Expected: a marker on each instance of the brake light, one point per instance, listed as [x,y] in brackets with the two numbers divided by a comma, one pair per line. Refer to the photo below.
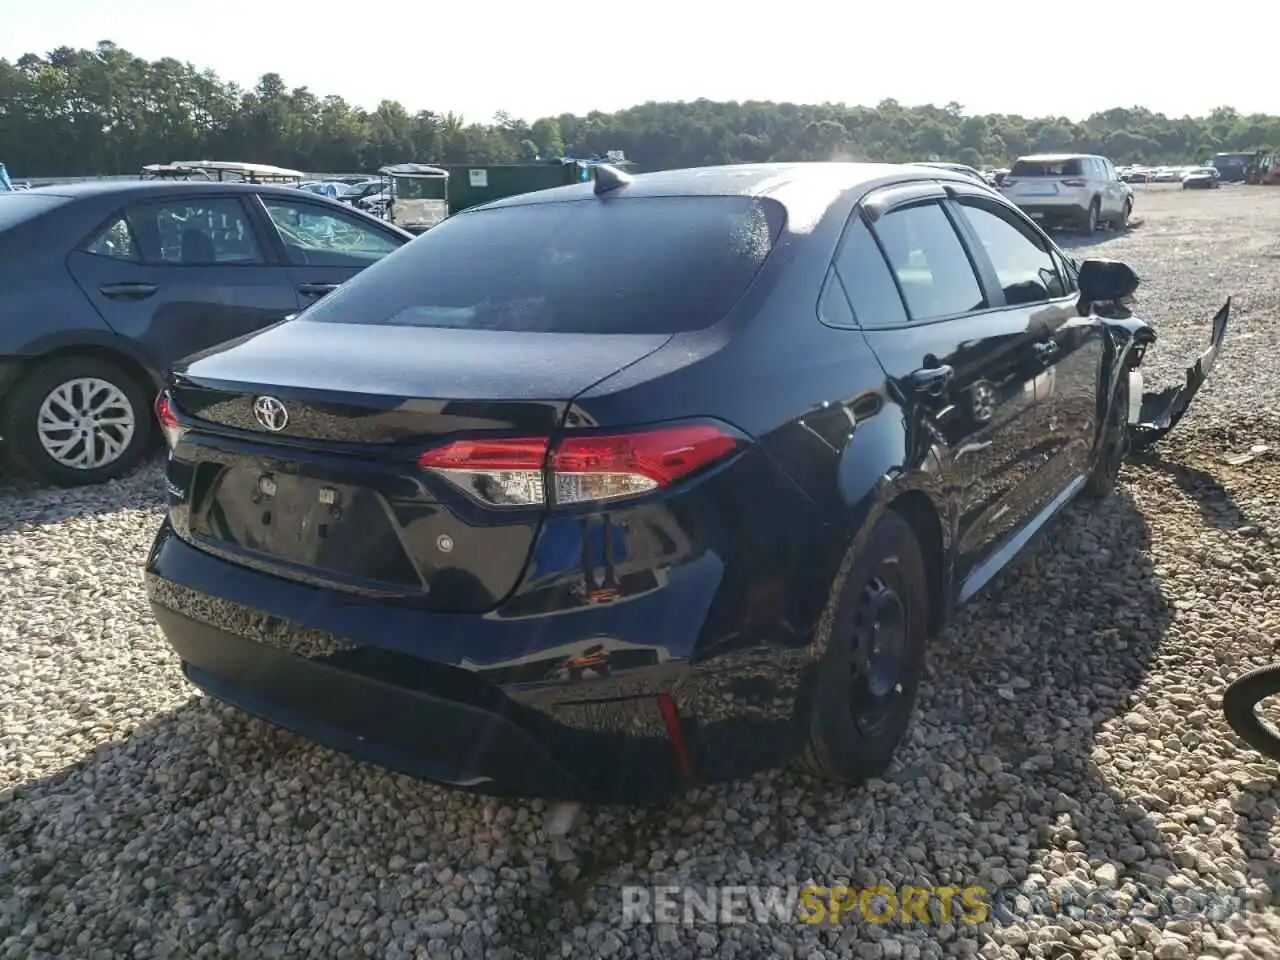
[1074,182]
[168,420]
[531,472]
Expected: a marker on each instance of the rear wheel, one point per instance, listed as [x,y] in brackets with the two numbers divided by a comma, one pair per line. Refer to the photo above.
[1122,221]
[76,421]
[873,637]
[1089,225]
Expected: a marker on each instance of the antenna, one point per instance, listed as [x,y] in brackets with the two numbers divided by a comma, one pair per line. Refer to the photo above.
[609,177]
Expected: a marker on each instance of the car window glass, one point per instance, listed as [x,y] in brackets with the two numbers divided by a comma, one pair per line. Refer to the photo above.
[834,306]
[1070,167]
[195,232]
[866,279]
[321,237]
[1026,270]
[1067,270]
[929,262]
[640,265]
[114,240]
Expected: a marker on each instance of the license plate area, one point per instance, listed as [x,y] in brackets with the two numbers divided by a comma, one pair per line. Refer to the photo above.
[341,529]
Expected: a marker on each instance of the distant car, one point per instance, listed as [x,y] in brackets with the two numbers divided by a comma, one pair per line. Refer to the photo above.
[1069,189]
[106,284]
[357,192]
[1201,178]
[609,489]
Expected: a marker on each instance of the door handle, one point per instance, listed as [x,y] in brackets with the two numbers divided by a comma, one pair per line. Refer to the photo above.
[127,291]
[1045,350]
[316,289]
[931,381]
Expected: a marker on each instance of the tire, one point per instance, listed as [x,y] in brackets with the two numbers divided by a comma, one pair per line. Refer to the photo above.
[1089,226]
[1240,698]
[853,734]
[19,421]
[1113,447]
[1122,221]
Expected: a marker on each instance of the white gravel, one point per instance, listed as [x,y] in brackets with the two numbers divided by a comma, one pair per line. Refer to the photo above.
[1069,735]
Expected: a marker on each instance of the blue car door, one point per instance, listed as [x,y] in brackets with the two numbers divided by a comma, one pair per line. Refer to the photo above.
[183,274]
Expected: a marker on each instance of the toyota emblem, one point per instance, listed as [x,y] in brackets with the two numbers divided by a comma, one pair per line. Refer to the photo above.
[271,413]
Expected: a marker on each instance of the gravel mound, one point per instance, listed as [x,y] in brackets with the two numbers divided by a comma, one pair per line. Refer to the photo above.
[1069,735]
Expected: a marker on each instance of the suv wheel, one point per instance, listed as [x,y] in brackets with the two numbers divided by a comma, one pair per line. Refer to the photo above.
[76,421]
[1090,224]
[1122,221]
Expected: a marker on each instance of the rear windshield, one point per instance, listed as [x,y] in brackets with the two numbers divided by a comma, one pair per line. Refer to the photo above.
[646,265]
[1047,168]
[21,205]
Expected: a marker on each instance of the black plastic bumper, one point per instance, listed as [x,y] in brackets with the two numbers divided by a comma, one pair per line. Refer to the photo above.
[348,702]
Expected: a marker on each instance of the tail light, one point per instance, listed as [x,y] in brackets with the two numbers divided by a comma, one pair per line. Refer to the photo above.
[533,471]
[1074,182]
[168,420]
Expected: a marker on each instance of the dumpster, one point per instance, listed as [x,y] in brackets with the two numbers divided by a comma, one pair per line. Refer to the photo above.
[471,185]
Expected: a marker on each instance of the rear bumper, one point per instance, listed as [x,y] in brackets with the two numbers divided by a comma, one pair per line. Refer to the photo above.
[410,731]
[269,647]
[1059,212]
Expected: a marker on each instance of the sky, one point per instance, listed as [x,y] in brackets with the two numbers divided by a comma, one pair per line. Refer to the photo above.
[543,58]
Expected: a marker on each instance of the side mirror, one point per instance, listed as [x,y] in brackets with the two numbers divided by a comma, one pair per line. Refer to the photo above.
[1106,280]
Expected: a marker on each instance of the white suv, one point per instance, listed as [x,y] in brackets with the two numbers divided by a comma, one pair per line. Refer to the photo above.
[1073,189]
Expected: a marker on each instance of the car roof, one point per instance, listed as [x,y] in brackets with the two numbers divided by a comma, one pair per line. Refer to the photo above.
[797,186]
[157,188]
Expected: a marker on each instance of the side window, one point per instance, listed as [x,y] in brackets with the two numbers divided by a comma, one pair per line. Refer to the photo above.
[319,237]
[1025,269]
[867,282]
[195,232]
[833,307]
[930,263]
[115,240]
[1067,270]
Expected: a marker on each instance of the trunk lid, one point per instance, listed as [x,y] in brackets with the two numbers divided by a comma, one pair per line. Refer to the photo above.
[308,468]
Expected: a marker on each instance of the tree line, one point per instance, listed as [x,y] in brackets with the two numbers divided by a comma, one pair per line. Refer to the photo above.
[79,112]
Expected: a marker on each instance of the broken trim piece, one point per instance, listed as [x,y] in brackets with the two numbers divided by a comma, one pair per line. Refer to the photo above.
[1160,412]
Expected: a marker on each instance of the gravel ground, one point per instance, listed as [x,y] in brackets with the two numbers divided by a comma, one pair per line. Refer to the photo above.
[1069,735]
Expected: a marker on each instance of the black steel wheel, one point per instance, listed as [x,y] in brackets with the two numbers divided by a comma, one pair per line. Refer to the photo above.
[873,640]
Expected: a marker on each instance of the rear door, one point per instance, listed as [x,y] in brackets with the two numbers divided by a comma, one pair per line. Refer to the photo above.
[959,364]
[182,274]
[1065,350]
[323,246]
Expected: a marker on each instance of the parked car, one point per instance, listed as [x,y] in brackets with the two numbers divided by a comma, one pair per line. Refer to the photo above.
[1078,190]
[1201,178]
[598,491]
[359,191]
[106,284]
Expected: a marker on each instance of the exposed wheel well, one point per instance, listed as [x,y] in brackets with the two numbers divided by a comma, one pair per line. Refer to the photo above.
[918,510]
[136,371]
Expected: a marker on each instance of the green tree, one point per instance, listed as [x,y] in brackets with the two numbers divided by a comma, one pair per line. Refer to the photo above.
[85,112]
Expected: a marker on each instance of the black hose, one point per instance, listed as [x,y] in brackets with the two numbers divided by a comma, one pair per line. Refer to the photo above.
[1238,702]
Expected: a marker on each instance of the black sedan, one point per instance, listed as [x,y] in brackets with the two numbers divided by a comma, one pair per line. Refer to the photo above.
[103,286]
[603,490]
